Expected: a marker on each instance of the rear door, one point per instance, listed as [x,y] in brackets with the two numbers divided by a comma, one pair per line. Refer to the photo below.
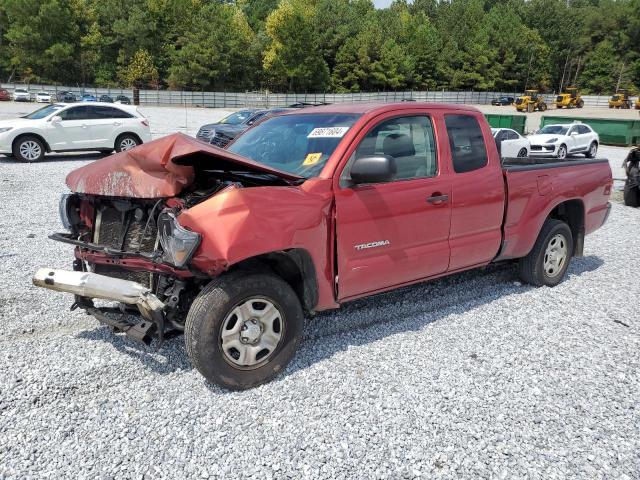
[477,201]
[106,124]
[395,232]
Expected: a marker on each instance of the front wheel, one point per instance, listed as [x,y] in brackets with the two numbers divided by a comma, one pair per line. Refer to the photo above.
[580,103]
[549,259]
[243,328]
[28,149]
[126,141]
[562,152]
[522,153]
[542,107]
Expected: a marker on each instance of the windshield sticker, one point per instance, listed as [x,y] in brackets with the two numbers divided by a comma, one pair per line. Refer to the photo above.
[312,159]
[328,132]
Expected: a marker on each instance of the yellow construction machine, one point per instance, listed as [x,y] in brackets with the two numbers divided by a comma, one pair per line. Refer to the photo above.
[569,99]
[530,102]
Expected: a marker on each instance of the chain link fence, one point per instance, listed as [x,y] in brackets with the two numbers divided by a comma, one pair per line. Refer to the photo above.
[266,99]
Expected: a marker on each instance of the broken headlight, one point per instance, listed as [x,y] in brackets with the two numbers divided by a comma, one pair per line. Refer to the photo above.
[68,215]
[177,242]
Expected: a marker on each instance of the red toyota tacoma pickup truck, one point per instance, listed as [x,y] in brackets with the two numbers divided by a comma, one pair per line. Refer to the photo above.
[303,212]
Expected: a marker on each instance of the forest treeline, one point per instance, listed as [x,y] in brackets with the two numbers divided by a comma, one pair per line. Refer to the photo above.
[323,45]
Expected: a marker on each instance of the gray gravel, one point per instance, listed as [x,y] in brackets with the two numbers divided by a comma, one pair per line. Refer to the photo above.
[472,376]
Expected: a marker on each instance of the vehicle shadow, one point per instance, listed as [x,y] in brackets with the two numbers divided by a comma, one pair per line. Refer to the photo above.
[57,157]
[362,321]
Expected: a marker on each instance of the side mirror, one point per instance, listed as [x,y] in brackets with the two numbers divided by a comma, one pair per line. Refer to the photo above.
[373,169]
[573,134]
[56,119]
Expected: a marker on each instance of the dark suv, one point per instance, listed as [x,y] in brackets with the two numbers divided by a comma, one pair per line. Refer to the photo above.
[502,101]
[221,133]
[66,96]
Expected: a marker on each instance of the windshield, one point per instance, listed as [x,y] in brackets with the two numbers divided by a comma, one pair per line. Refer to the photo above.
[554,130]
[43,112]
[20,90]
[299,144]
[237,118]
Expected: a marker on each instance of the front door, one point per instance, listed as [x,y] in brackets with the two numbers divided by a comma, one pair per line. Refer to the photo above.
[73,132]
[394,232]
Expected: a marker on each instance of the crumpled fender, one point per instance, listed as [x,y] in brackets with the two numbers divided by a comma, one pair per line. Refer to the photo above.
[242,223]
[161,168]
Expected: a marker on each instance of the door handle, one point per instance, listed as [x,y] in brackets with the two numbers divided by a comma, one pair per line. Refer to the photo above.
[84,125]
[438,199]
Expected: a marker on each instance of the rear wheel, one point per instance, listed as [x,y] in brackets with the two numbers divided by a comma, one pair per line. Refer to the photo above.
[631,192]
[549,259]
[580,103]
[243,328]
[126,141]
[28,149]
[593,150]
[542,107]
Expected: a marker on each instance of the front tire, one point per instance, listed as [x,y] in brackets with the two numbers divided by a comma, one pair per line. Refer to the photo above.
[549,259]
[562,152]
[522,153]
[126,141]
[243,328]
[28,149]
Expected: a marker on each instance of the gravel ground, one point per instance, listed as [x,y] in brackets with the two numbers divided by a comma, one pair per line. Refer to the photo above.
[472,376]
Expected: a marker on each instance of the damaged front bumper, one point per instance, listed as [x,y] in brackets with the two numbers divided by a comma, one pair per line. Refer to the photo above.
[88,286]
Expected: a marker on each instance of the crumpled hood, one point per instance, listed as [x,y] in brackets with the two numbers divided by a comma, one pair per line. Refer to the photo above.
[543,138]
[161,168]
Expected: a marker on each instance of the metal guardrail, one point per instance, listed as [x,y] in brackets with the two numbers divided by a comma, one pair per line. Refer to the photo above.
[270,100]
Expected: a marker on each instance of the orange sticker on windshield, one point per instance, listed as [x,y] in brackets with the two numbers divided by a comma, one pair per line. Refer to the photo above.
[312,159]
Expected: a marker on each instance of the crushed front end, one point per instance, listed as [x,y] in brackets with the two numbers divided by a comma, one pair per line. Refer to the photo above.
[130,251]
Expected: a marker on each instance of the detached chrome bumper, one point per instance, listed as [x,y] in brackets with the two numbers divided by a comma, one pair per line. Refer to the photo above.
[92,285]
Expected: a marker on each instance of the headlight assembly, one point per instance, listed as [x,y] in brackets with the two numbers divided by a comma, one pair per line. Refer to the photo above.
[177,242]
[552,140]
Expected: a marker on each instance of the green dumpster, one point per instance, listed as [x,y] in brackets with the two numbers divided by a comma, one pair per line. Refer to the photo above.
[516,122]
[611,131]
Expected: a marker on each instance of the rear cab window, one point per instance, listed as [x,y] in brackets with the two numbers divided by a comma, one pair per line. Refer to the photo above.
[468,150]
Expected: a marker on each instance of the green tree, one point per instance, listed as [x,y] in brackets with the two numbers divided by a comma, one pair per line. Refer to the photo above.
[292,60]
[140,72]
[601,69]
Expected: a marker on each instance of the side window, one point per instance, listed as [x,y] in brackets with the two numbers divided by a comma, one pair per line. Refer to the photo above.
[100,112]
[409,140]
[76,113]
[468,150]
[512,135]
[583,129]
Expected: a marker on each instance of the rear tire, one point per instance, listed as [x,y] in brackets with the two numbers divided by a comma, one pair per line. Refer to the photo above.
[211,329]
[543,107]
[126,141]
[550,256]
[631,194]
[593,150]
[580,103]
[28,149]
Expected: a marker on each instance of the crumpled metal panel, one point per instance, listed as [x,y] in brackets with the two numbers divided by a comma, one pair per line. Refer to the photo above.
[161,168]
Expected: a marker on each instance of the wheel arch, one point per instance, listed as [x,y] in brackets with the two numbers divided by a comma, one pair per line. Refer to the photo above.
[572,213]
[295,266]
[47,148]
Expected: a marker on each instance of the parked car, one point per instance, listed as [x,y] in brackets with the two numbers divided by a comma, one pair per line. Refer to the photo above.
[223,132]
[503,101]
[66,97]
[105,99]
[5,96]
[123,99]
[21,95]
[510,143]
[66,127]
[87,97]
[304,212]
[562,140]
[43,97]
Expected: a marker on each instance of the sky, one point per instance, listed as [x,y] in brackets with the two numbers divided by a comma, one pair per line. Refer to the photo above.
[382,3]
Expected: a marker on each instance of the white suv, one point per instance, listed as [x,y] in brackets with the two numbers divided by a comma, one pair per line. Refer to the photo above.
[564,139]
[21,95]
[68,127]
